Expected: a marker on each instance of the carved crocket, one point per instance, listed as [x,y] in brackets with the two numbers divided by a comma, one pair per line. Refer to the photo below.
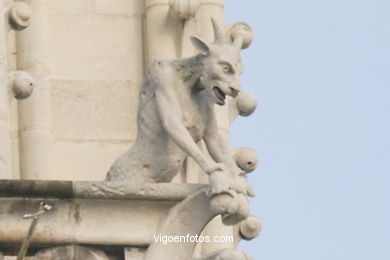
[176,110]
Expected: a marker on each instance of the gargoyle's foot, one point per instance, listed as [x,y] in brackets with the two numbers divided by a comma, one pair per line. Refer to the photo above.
[228,197]
[226,254]
[220,183]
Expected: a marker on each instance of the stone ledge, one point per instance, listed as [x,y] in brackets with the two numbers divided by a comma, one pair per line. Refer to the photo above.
[96,190]
[89,213]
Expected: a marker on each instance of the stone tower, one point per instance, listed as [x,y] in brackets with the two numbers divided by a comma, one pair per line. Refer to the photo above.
[70,79]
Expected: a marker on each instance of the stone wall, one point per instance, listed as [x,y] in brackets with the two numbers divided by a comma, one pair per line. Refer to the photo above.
[90,57]
[96,54]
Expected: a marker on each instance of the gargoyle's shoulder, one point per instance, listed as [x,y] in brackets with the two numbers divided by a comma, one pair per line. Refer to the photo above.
[159,66]
[159,71]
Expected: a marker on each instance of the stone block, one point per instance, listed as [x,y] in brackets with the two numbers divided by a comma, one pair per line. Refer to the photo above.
[112,6]
[93,47]
[74,7]
[85,160]
[117,110]
[74,107]
[93,110]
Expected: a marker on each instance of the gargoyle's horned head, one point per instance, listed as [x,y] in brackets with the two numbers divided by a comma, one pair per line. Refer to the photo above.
[221,63]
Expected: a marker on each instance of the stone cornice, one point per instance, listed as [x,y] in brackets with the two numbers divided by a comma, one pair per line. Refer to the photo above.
[96,190]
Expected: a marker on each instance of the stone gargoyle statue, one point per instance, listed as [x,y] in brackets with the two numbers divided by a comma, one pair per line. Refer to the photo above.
[176,110]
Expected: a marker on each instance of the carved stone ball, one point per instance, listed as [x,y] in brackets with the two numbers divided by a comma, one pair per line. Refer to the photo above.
[250,227]
[224,204]
[233,254]
[243,29]
[183,9]
[246,103]
[23,85]
[242,212]
[20,16]
[246,159]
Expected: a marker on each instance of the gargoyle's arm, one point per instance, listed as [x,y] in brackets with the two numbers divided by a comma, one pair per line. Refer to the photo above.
[217,147]
[170,115]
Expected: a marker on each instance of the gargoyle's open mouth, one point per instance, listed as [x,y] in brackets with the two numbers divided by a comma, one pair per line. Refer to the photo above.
[220,95]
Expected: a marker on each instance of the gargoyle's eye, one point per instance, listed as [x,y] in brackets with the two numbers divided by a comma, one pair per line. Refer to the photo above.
[227,68]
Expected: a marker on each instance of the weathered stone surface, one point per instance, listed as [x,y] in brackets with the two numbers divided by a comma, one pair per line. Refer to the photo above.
[42,189]
[150,191]
[82,221]
[97,190]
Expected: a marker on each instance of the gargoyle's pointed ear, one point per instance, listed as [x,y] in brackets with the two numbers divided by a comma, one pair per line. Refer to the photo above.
[200,45]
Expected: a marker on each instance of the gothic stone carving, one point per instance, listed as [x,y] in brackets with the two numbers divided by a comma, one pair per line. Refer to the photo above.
[189,217]
[21,83]
[19,16]
[176,111]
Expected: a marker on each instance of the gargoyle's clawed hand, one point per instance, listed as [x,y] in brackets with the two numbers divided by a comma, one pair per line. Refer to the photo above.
[215,167]
[220,183]
[241,185]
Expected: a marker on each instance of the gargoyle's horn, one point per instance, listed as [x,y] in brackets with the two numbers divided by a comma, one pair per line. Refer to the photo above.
[219,35]
[238,41]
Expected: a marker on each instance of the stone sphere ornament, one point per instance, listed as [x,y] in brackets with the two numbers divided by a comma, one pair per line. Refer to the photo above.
[22,84]
[246,103]
[19,16]
[250,227]
[183,9]
[240,29]
[246,158]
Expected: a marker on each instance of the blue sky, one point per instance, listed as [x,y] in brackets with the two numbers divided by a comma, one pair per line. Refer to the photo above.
[321,73]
